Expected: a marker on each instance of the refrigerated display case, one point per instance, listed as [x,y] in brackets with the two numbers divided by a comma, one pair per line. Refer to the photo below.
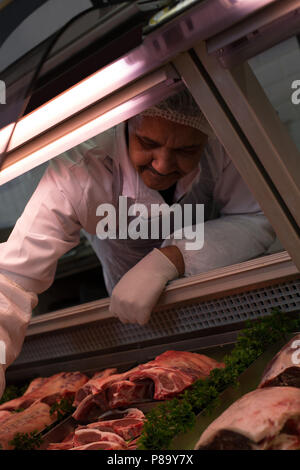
[218,50]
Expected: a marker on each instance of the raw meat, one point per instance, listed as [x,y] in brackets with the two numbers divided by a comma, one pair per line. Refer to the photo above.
[36,383]
[34,418]
[91,386]
[86,436]
[133,444]
[167,376]
[267,418]
[61,385]
[66,444]
[127,426]
[101,446]
[4,415]
[284,369]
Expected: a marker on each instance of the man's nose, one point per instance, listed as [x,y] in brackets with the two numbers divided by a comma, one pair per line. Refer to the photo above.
[164,161]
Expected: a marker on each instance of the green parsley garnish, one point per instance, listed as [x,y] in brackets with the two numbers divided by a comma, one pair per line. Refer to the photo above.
[26,441]
[62,408]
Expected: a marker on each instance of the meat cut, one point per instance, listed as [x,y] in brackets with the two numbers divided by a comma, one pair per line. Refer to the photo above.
[127,426]
[35,418]
[51,389]
[164,377]
[284,369]
[90,387]
[265,419]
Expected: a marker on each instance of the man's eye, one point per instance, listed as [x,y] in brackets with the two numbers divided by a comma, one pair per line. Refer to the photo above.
[147,143]
[189,150]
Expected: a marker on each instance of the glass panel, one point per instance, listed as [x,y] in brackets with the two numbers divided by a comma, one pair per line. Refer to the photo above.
[81,211]
[278,71]
[27,48]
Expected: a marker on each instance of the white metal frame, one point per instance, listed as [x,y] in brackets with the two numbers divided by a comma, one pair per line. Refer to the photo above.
[217,283]
[252,134]
[232,102]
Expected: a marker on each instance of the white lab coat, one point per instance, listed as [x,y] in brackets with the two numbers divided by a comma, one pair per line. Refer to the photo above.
[99,171]
[78,181]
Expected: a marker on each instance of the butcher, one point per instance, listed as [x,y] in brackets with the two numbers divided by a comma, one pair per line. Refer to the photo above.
[167,154]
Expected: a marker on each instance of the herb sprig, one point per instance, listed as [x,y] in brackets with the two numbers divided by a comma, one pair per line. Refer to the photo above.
[179,414]
[12,391]
[62,408]
[26,441]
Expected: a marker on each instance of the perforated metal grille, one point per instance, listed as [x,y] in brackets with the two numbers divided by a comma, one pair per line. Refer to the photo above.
[108,334]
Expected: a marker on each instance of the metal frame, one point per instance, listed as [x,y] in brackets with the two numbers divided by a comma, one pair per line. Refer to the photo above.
[256,33]
[160,83]
[232,106]
[217,283]
[252,134]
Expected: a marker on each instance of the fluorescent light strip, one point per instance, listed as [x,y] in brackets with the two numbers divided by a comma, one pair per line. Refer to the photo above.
[126,69]
[70,102]
[5,135]
[86,131]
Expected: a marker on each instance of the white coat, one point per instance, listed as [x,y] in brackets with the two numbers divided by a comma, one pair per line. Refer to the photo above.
[78,181]
[74,185]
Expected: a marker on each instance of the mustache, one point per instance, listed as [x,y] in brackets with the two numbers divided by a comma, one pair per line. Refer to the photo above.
[150,168]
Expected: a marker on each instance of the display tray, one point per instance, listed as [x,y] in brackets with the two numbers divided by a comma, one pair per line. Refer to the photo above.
[248,381]
[65,427]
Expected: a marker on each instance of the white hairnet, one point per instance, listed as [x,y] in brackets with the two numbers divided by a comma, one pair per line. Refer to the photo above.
[183,109]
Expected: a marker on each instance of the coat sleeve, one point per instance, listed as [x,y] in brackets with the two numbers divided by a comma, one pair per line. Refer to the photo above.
[242,232]
[48,228]
[228,240]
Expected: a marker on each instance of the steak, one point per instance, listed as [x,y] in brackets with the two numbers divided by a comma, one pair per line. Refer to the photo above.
[61,385]
[127,426]
[91,386]
[265,419]
[164,377]
[86,436]
[103,445]
[4,415]
[34,418]
[284,369]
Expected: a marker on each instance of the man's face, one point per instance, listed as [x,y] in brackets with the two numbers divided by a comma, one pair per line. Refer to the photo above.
[163,151]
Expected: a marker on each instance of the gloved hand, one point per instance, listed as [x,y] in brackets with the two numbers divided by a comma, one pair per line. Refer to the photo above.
[16,305]
[136,294]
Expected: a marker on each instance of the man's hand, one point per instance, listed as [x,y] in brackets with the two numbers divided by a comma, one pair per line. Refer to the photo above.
[136,294]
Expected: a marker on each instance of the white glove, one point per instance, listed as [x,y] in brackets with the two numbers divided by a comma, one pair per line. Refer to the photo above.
[16,306]
[136,294]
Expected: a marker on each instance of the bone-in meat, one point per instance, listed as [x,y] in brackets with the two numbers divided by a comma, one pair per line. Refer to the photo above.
[284,369]
[61,385]
[265,419]
[165,377]
[34,418]
[126,426]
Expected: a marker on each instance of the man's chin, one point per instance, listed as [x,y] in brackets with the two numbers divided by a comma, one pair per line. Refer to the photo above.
[158,186]
[157,183]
